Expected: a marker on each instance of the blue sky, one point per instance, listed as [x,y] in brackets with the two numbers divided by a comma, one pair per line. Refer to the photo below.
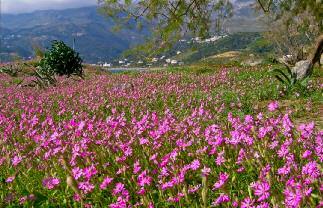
[24,6]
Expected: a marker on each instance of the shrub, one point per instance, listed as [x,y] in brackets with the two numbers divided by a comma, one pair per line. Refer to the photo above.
[61,60]
[290,82]
[12,70]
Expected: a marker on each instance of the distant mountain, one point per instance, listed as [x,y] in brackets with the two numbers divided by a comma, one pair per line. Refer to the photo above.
[92,31]
[245,18]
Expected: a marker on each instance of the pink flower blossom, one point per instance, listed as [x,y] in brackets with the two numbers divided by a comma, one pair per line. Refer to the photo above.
[306,154]
[195,164]
[223,177]
[273,106]
[16,160]
[10,179]
[223,198]
[311,169]
[106,182]
[86,187]
[293,198]
[247,203]
[51,183]
[261,189]
[119,188]
[220,158]
[206,171]
[144,179]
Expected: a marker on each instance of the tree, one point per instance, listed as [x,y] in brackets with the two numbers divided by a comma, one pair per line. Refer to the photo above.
[295,7]
[171,19]
[61,60]
[295,27]
[293,35]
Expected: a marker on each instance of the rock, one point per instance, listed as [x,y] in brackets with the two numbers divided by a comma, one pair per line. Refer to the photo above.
[302,69]
[252,62]
[123,86]
[288,59]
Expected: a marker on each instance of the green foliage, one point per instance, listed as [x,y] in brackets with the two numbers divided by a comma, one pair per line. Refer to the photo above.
[294,25]
[261,46]
[171,19]
[61,60]
[38,51]
[12,69]
[295,7]
[233,42]
[290,81]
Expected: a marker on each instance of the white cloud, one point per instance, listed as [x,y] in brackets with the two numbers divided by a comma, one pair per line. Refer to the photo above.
[24,6]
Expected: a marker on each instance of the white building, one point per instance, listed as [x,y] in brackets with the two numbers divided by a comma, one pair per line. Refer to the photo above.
[107,64]
[174,62]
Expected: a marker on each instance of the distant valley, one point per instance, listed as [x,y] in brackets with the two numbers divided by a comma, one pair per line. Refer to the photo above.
[94,39]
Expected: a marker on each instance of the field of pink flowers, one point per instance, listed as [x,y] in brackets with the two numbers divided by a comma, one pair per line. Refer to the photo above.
[159,139]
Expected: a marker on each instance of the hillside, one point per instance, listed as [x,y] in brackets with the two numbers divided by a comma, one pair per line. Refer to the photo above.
[94,40]
[86,25]
[242,44]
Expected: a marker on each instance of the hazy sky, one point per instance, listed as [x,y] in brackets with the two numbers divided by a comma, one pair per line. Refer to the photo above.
[24,6]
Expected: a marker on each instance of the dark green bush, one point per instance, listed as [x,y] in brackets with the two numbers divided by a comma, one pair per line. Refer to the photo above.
[61,60]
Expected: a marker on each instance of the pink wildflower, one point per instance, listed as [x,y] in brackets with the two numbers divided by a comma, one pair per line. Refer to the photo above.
[119,188]
[292,198]
[273,106]
[136,167]
[16,160]
[86,187]
[106,182]
[223,177]
[247,203]
[143,179]
[195,164]
[261,189]
[220,158]
[306,154]
[206,171]
[51,183]
[311,169]
[77,172]
[10,179]
[223,198]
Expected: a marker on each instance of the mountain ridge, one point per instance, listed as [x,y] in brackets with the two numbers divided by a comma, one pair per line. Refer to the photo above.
[94,39]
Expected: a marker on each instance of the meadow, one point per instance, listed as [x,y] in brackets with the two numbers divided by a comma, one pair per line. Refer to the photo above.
[183,137]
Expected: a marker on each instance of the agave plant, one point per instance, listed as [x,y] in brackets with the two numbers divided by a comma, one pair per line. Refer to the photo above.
[289,80]
[12,69]
[44,77]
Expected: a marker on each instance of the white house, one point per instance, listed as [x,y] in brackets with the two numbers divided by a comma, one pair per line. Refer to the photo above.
[107,64]
[174,62]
